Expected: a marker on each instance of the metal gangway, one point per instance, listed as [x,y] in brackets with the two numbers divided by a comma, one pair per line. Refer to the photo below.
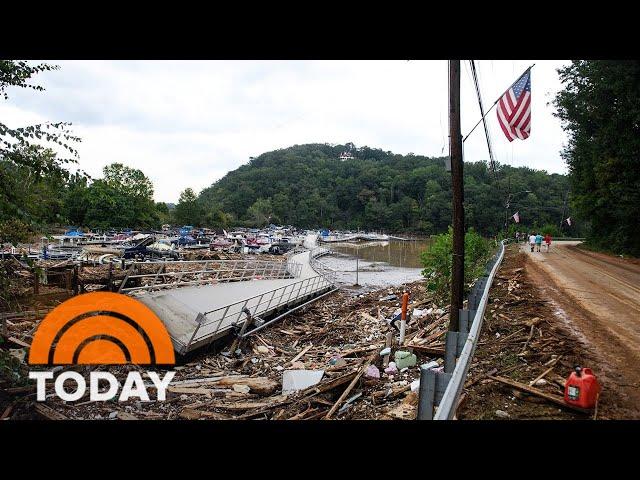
[201,301]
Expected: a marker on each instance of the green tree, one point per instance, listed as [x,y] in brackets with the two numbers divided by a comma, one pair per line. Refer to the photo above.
[600,109]
[188,211]
[32,176]
[310,187]
[438,258]
[122,198]
[261,211]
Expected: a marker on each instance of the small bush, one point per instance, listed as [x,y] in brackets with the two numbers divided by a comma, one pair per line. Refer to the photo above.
[437,261]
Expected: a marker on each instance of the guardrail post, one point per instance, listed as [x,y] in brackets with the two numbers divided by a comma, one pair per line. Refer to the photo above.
[427,395]
[433,384]
[451,345]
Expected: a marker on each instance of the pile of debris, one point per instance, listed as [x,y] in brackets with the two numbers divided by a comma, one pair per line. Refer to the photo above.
[339,358]
[523,357]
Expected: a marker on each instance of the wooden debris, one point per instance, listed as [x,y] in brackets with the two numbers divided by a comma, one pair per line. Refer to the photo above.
[558,400]
[193,414]
[350,387]
[544,374]
[405,410]
[299,355]
[126,416]
[49,413]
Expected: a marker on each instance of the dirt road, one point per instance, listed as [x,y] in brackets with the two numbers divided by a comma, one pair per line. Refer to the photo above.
[598,298]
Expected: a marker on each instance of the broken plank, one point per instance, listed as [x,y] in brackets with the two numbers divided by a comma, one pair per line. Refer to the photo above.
[350,387]
[18,342]
[126,416]
[544,374]
[426,349]
[261,385]
[193,414]
[273,402]
[7,412]
[534,391]
[362,350]
[190,390]
[326,386]
[48,413]
[366,316]
[304,350]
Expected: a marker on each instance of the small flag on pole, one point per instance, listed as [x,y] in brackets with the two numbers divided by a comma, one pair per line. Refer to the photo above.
[516,217]
[514,109]
[569,221]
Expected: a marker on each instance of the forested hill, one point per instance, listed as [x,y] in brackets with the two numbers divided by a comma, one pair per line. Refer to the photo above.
[310,186]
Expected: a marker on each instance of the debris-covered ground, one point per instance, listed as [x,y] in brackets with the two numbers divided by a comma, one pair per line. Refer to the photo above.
[337,340]
[524,344]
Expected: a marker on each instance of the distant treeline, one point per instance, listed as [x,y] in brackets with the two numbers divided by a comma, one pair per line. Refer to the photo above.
[311,187]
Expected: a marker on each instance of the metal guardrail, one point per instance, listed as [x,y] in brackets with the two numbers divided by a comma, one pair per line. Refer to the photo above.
[257,305]
[449,402]
[249,309]
[212,271]
[327,272]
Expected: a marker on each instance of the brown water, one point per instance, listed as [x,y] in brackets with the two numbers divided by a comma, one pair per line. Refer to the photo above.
[395,253]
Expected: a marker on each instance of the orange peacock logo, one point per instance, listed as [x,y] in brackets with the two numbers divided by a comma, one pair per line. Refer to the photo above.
[101,328]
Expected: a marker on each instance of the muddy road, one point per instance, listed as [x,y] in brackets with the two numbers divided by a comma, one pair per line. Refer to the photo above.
[598,299]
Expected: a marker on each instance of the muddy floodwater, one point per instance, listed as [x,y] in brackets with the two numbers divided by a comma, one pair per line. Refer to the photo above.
[379,264]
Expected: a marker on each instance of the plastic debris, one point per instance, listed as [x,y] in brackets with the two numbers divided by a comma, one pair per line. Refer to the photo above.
[430,365]
[389,298]
[405,359]
[372,372]
[294,380]
[391,369]
[241,388]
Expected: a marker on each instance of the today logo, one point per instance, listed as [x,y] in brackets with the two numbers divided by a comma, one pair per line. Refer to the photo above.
[101,328]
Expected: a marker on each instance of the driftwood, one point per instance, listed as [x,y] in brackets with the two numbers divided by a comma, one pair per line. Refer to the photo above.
[192,414]
[49,413]
[260,385]
[544,374]
[534,391]
[430,350]
[350,387]
[299,355]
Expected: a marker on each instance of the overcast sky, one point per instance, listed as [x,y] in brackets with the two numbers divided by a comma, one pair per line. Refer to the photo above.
[187,123]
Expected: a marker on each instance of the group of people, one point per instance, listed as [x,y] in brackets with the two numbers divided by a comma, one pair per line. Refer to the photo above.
[535,240]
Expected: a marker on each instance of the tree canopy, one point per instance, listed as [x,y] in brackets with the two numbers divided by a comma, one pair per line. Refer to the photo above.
[600,109]
[310,187]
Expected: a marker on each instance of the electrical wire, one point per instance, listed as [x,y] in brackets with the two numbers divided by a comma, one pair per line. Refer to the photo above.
[484,121]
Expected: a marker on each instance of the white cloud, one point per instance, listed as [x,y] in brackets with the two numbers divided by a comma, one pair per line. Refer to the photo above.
[185,124]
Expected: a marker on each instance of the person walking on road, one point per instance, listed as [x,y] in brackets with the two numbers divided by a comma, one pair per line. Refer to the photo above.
[538,242]
[532,241]
[547,241]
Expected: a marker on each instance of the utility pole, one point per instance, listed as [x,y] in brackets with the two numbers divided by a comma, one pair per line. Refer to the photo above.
[455,154]
[507,205]
[564,208]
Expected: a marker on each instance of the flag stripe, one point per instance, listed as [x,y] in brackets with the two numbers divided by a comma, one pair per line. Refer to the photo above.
[514,109]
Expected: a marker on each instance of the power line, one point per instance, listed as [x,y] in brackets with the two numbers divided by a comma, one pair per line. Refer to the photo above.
[484,121]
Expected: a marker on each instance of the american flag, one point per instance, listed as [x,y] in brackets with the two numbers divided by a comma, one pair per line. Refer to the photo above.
[516,217]
[514,109]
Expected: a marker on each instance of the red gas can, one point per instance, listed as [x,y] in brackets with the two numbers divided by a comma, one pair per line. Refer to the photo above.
[582,388]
